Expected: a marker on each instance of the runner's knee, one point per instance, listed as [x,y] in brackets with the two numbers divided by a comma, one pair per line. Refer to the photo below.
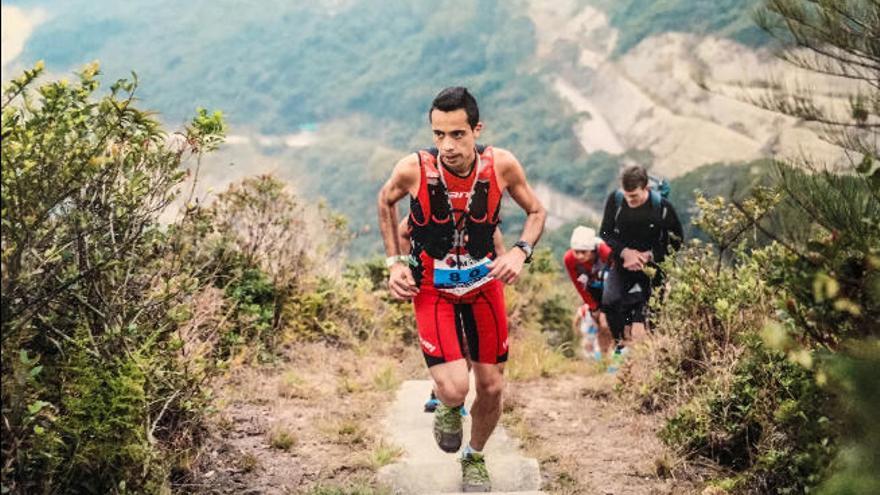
[490,387]
[451,391]
[490,391]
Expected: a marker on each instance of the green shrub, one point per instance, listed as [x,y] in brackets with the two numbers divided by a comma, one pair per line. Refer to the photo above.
[541,307]
[555,319]
[253,298]
[748,342]
[276,261]
[703,318]
[324,312]
[99,394]
[855,377]
[766,419]
[367,282]
[754,410]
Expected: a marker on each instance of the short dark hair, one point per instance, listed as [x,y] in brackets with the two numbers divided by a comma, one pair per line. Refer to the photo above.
[455,98]
[634,177]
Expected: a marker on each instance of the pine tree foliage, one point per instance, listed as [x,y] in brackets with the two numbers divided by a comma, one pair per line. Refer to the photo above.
[810,238]
[839,39]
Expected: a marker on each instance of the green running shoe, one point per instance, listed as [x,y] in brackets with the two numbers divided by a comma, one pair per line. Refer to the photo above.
[447,427]
[618,358]
[474,475]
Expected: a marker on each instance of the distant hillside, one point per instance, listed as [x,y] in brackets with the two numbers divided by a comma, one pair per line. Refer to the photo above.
[280,65]
[360,72]
[638,19]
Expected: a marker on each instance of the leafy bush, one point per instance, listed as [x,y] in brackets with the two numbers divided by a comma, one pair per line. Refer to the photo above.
[765,419]
[856,375]
[540,308]
[747,342]
[367,282]
[264,248]
[754,411]
[706,311]
[98,393]
[253,297]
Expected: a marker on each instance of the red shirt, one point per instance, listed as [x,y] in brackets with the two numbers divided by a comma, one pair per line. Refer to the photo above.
[459,191]
[577,270]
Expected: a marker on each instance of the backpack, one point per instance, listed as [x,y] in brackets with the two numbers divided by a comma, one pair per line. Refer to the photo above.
[659,184]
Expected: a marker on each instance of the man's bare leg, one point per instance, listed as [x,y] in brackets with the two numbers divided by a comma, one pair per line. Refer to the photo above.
[486,409]
[451,386]
[627,335]
[451,382]
[606,341]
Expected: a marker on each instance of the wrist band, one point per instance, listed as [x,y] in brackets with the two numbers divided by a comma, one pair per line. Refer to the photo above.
[400,258]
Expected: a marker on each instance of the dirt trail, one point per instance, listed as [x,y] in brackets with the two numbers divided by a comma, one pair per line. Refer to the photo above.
[311,422]
[587,440]
[307,422]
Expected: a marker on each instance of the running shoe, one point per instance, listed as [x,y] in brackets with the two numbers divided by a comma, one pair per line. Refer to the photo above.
[431,405]
[447,427]
[474,475]
[617,359]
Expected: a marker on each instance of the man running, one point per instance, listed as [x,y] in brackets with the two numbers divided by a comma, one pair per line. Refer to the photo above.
[640,226]
[453,274]
[586,263]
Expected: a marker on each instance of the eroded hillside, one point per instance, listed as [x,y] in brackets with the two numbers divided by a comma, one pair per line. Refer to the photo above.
[684,97]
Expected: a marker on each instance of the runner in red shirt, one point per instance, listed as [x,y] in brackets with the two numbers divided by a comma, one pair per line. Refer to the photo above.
[586,263]
[453,274]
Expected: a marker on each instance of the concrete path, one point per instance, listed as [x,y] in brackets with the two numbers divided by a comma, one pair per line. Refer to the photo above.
[424,468]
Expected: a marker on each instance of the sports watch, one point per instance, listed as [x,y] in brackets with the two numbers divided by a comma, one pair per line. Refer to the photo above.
[526,248]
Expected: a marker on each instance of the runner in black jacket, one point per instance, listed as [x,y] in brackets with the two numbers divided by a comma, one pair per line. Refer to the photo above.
[641,227]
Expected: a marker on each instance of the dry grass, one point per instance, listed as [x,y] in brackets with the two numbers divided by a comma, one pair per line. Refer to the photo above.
[587,440]
[386,380]
[382,454]
[346,384]
[531,358]
[293,386]
[321,407]
[516,423]
[248,463]
[344,431]
[200,334]
[280,437]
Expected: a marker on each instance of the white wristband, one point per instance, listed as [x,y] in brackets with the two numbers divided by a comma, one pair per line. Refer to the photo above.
[401,258]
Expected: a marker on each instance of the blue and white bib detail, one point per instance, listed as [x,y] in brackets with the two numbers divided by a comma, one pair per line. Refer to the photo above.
[459,274]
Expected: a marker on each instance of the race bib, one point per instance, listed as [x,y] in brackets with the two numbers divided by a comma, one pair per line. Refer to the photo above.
[465,273]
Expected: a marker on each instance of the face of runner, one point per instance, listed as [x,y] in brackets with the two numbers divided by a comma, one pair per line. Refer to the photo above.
[454,138]
[583,256]
[636,197]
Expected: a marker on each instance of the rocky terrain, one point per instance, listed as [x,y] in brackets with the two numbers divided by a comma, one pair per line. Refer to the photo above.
[683,97]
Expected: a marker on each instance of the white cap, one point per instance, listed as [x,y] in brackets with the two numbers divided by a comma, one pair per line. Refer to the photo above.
[584,239]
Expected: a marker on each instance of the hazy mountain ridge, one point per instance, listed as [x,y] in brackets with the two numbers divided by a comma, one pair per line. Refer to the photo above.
[362,73]
[654,96]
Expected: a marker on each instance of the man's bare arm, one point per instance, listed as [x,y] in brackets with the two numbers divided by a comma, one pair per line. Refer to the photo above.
[498,240]
[404,180]
[512,177]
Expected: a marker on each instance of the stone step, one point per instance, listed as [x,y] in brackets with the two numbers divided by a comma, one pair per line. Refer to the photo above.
[508,474]
[424,468]
[504,493]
